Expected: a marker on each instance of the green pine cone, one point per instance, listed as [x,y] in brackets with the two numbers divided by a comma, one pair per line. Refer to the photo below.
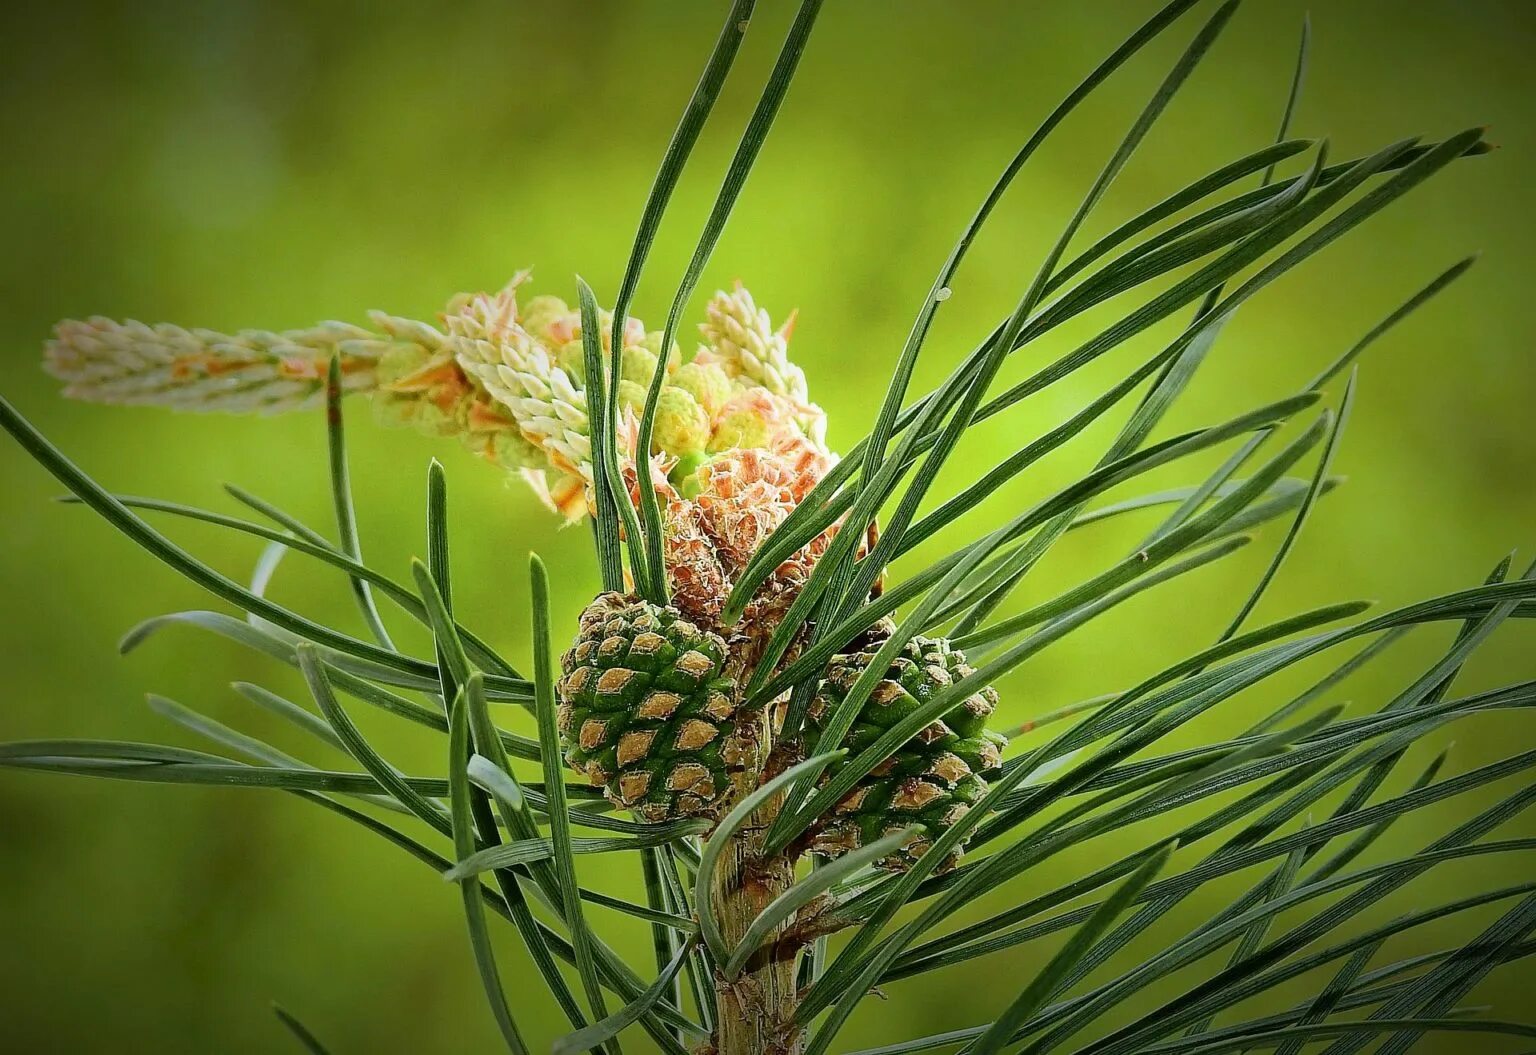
[646,711]
[933,779]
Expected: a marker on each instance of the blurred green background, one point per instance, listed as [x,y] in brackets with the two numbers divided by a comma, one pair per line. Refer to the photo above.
[243,163]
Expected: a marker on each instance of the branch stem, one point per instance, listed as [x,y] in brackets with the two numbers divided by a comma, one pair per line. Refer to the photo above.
[756,1006]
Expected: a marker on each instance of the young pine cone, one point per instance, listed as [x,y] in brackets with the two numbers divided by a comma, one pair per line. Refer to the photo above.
[933,779]
[646,711]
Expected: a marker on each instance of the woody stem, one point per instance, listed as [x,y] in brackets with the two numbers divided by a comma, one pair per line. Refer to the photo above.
[757,1005]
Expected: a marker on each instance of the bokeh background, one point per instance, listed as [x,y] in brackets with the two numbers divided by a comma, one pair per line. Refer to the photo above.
[276,162]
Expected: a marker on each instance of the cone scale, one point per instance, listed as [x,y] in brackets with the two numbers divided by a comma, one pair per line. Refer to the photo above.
[932,780]
[646,710]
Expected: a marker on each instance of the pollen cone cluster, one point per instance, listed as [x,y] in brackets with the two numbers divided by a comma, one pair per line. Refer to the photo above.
[505,377]
[253,371]
[933,779]
[406,366]
[531,359]
[420,385]
[646,711]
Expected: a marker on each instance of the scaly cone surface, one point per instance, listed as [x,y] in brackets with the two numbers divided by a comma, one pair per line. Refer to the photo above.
[933,779]
[721,513]
[646,710]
